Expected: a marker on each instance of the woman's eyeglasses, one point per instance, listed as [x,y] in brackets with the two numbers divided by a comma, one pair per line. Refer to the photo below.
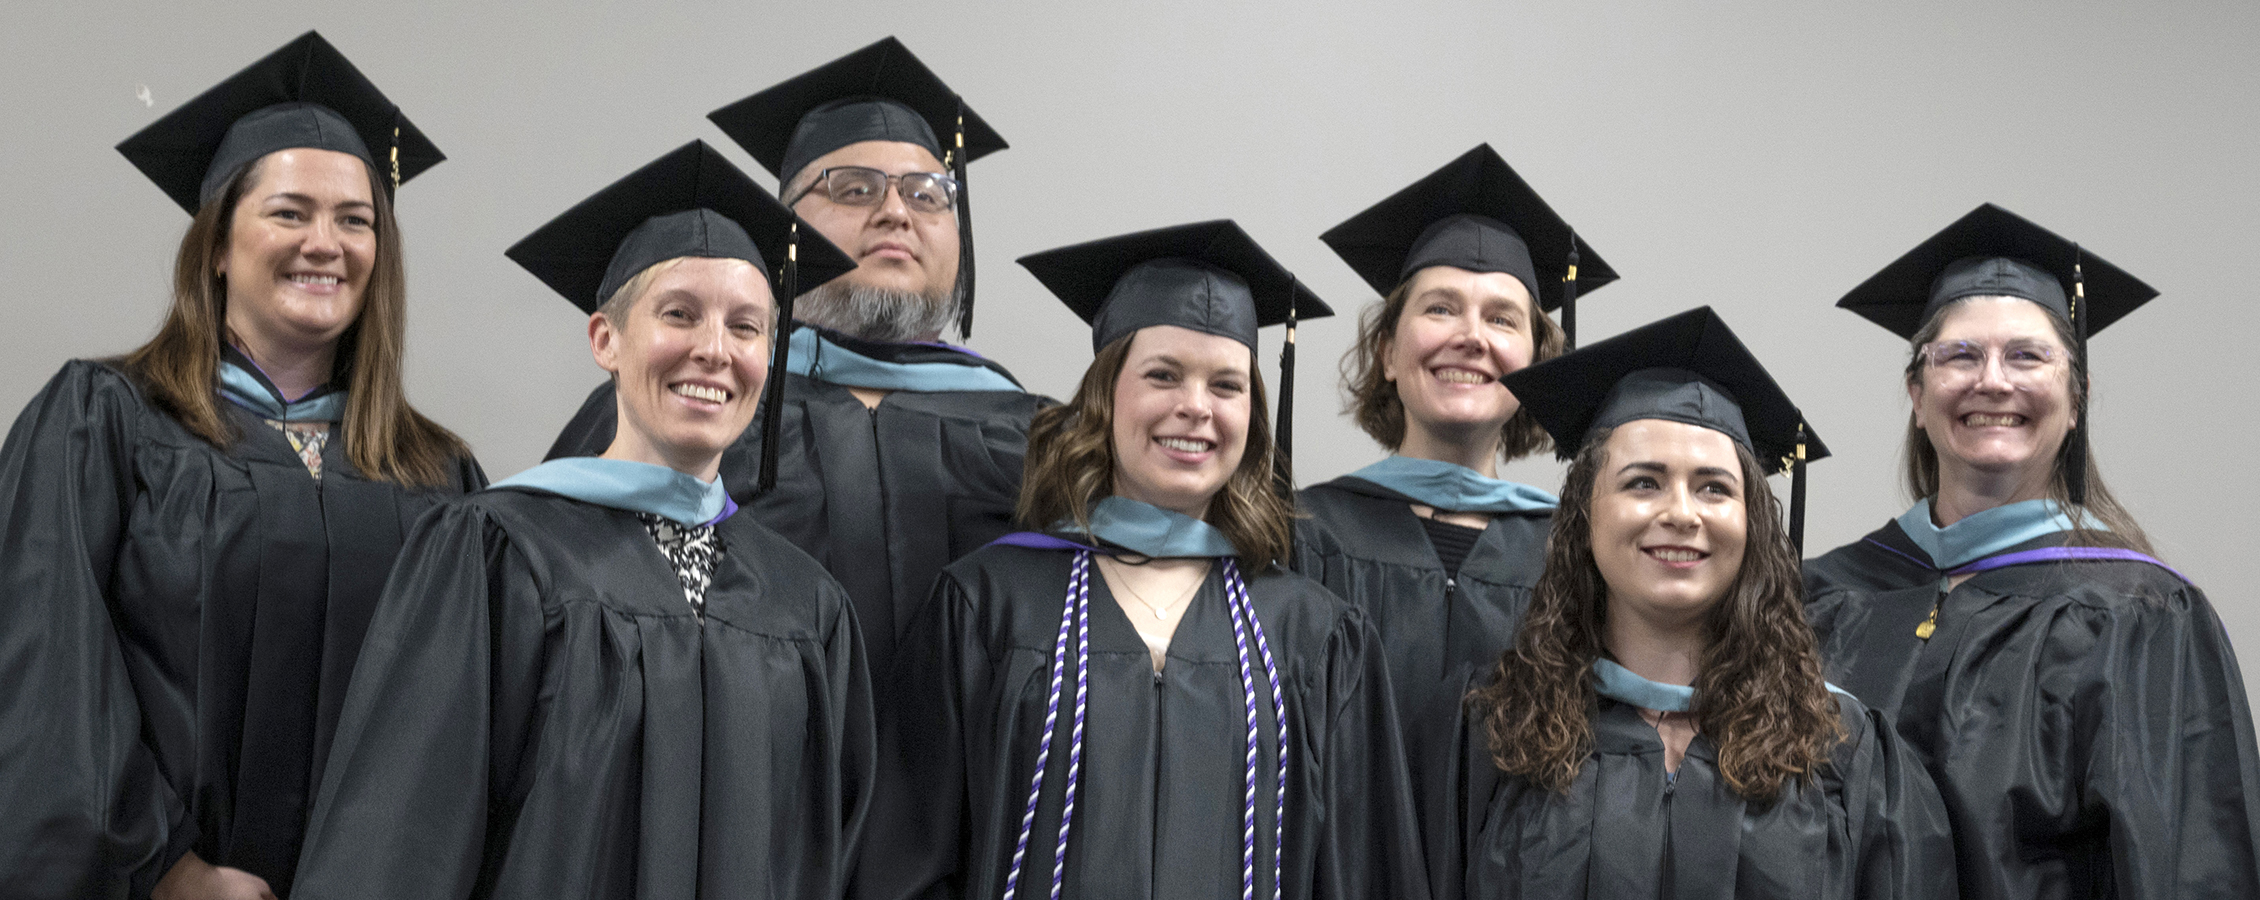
[2020,359]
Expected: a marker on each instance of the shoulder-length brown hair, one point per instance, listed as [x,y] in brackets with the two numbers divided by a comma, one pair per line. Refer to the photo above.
[1760,696]
[1921,474]
[1371,399]
[385,438]
[1071,464]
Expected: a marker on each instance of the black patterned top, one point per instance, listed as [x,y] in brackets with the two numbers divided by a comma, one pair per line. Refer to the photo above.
[691,549]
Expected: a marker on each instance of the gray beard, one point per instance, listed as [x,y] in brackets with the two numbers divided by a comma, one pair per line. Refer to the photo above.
[876,314]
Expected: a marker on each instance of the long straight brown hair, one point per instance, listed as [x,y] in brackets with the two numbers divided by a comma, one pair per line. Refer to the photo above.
[1071,465]
[1760,696]
[385,438]
[1921,474]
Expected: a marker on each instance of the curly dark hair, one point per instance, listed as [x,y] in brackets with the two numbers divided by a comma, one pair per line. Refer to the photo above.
[1371,399]
[1760,696]
[1071,464]
[1921,475]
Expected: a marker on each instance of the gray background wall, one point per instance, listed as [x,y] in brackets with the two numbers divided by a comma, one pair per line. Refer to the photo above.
[1759,157]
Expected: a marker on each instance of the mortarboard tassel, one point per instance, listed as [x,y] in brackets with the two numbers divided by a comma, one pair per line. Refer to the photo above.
[2075,456]
[396,151]
[1797,493]
[1569,299]
[964,231]
[1283,437]
[773,393]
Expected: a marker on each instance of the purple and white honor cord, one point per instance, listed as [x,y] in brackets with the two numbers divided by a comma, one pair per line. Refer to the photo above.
[1078,595]
[1236,590]
[1075,619]
[1082,702]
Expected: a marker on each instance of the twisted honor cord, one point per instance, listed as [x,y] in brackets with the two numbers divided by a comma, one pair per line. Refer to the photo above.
[1078,590]
[1075,619]
[1236,592]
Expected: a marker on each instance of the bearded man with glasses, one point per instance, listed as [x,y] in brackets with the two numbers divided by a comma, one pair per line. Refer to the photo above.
[902,228]
[896,453]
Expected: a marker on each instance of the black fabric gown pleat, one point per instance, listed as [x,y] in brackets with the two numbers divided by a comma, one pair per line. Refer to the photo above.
[1442,633]
[1870,826]
[2086,722]
[1160,800]
[884,497]
[180,622]
[540,714]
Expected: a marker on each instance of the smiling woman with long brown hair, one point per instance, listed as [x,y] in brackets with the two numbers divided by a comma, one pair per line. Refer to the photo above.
[1660,723]
[1137,700]
[2076,699]
[196,531]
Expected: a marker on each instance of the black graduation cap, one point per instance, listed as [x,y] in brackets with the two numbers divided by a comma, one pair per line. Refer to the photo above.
[690,202]
[1688,368]
[304,95]
[1207,276]
[879,93]
[1475,213]
[1992,251]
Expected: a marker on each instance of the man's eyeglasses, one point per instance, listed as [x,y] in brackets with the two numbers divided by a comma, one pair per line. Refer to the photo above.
[924,192]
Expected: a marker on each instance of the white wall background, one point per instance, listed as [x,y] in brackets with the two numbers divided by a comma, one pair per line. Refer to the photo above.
[1761,157]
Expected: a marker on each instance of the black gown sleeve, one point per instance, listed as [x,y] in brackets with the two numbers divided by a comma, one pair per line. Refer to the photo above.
[442,701]
[1368,834]
[1898,828]
[919,828]
[470,477]
[2168,762]
[852,727]
[84,809]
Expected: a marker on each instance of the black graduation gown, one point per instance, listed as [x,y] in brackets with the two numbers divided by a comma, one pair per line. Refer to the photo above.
[1158,811]
[883,497]
[539,714]
[2085,722]
[179,625]
[1442,633]
[1869,826]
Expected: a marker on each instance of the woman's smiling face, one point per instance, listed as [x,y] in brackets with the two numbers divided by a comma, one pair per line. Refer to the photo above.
[1181,409]
[301,242]
[1669,522]
[1990,404]
[691,354]
[1459,331]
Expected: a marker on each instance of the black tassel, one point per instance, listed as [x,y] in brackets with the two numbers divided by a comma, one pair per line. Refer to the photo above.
[773,393]
[1283,437]
[964,232]
[2075,455]
[1797,493]
[1569,299]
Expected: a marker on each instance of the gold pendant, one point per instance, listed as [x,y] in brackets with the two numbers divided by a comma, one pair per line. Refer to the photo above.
[1925,630]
